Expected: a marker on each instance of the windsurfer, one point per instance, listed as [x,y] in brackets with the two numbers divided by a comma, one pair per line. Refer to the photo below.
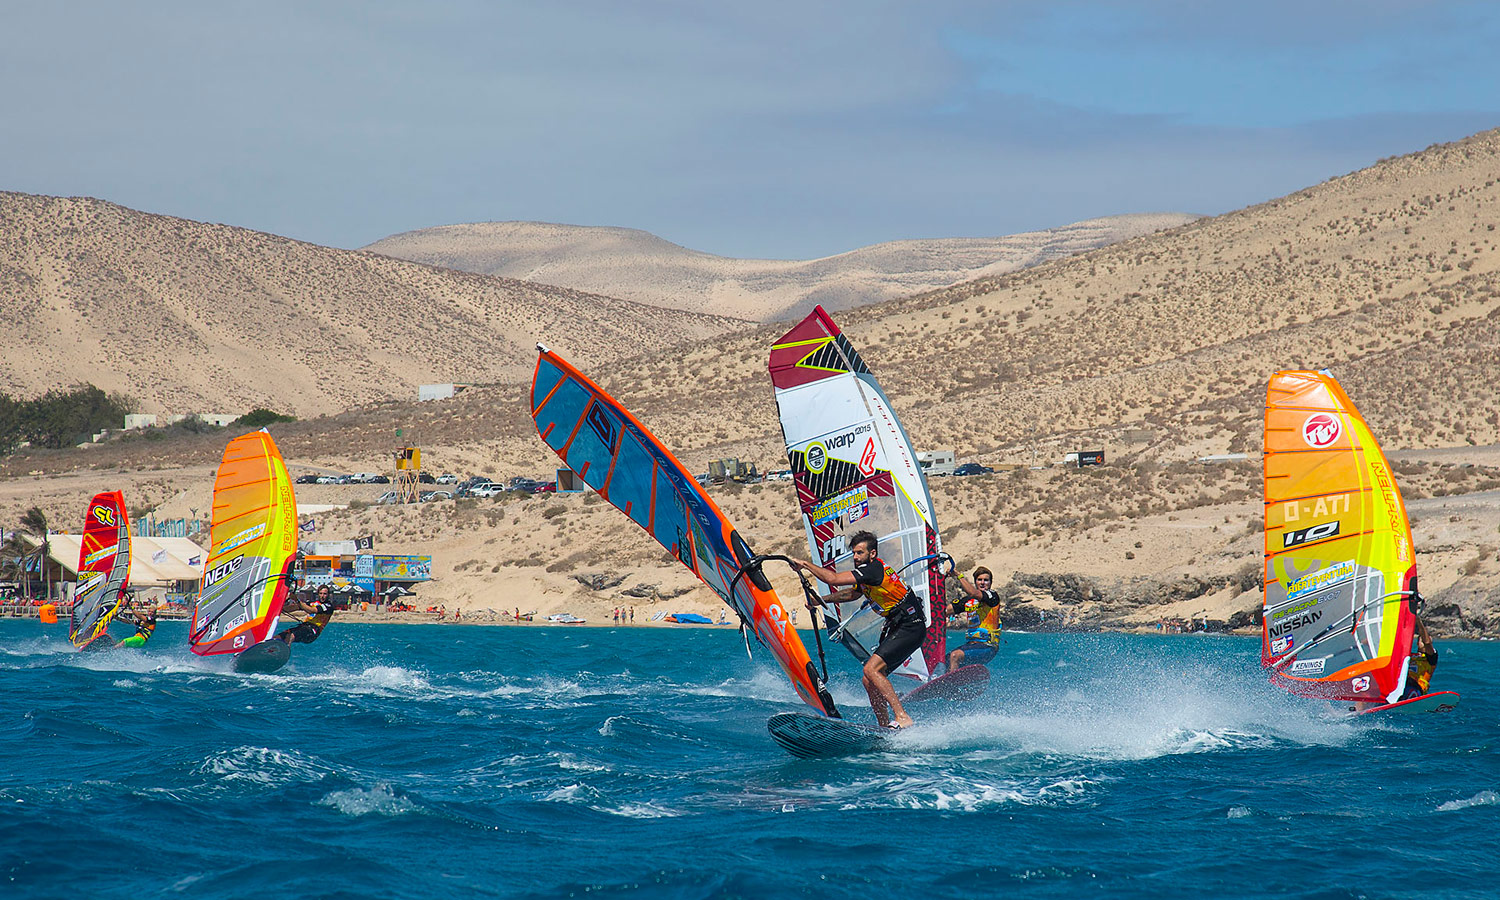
[1420,675]
[145,624]
[904,625]
[319,611]
[983,606]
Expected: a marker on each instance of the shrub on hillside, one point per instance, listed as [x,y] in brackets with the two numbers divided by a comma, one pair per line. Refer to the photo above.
[60,418]
[260,417]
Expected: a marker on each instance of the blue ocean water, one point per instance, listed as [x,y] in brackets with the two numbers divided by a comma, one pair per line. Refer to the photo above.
[421,761]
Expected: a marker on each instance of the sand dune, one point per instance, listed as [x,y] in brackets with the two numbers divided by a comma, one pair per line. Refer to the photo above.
[636,265]
[192,317]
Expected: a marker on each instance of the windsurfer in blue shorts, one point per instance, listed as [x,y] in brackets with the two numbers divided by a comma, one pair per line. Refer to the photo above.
[983,640]
[904,628]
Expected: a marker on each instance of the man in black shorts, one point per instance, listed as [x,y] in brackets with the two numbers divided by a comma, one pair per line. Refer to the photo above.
[319,611]
[904,628]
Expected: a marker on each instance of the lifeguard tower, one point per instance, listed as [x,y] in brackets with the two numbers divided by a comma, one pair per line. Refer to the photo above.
[408,475]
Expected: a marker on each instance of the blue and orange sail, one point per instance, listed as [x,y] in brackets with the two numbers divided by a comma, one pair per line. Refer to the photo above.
[624,462]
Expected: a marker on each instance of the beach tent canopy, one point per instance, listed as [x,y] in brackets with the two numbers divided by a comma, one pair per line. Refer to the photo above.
[154,562]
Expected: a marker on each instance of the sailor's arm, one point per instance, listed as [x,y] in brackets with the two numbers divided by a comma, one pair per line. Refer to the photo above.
[827,576]
[1424,637]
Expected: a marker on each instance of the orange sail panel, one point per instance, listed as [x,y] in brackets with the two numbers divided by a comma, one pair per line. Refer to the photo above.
[253,543]
[618,457]
[103,568]
[1340,566]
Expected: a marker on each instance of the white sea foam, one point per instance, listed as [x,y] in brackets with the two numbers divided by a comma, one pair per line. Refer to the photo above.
[262,766]
[380,800]
[1483,798]
[641,811]
[1239,812]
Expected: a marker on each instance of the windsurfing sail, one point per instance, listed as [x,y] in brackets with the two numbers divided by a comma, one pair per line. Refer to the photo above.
[624,462]
[103,568]
[856,470]
[252,545]
[1340,565]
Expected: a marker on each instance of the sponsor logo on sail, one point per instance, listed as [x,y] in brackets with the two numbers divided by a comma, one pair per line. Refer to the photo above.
[1289,625]
[1281,645]
[867,459]
[817,458]
[101,553]
[1317,581]
[105,515]
[1293,610]
[1308,667]
[249,534]
[1362,683]
[1321,430]
[602,424]
[855,503]
[1308,535]
[222,571]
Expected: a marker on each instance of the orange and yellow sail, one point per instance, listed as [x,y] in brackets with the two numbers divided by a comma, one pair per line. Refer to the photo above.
[253,543]
[1340,566]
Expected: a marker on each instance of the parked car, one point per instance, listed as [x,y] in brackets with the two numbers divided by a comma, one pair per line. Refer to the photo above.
[328,479]
[447,478]
[306,479]
[380,479]
[363,478]
[426,478]
[524,485]
[546,487]
[387,497]
[428,496]
[485,489]
[779,475]
[971,468]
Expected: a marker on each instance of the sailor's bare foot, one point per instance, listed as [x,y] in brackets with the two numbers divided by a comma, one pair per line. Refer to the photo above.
[904,722]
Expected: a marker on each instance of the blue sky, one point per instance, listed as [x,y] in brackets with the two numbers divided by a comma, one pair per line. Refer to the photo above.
[772,129]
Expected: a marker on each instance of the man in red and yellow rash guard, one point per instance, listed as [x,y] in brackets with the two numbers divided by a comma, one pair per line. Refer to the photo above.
[904,624]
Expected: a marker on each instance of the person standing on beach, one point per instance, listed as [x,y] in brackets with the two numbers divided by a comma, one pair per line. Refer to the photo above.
[904,628]
[983,639]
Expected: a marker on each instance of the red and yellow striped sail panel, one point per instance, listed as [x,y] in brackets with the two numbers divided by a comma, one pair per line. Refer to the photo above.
[1340,567]
[253,542]
[103,568]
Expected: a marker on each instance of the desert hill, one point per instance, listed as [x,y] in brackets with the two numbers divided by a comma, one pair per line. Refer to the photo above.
[1156,350]
[192,317]
[637,265]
